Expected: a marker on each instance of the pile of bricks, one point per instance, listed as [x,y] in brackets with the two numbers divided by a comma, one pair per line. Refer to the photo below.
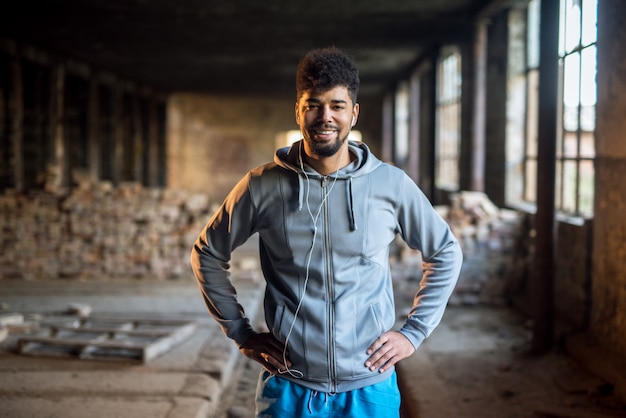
[99,231]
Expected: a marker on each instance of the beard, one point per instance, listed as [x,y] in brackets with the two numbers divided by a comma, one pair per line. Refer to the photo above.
[326,149]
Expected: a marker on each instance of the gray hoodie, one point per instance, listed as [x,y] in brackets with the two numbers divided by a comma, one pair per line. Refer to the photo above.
[324,249]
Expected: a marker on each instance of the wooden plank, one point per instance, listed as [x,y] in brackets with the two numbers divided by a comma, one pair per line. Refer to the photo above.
[112,332]
[135,321]
[110,343]
[167,343]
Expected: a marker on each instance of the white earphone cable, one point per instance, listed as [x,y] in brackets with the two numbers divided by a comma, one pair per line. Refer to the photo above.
[294,372]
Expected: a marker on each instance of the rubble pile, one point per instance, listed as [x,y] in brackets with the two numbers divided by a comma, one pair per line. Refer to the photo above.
[490,239]
[99,231]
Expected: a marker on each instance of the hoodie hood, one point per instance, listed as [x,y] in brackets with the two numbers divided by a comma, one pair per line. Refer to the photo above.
[364,163]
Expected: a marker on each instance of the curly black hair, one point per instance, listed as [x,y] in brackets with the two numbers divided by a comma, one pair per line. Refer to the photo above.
[323,69]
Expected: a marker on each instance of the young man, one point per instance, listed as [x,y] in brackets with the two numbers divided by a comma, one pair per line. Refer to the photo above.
[326,211]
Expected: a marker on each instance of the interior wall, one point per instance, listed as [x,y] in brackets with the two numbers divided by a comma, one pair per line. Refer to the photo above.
[608,322]
[572,279]
[213,141]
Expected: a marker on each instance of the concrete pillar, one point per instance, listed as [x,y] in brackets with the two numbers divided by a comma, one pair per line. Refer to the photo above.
[428,99]
[118,133]
[479,107]
[413,168]
[153,143]
[608,317]
[495,118]
[542,282]
[387,146]
[17,129]
[93,130]
[57,122]
[138,145]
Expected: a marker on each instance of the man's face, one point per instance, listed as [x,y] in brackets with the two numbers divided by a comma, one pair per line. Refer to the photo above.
[325,119]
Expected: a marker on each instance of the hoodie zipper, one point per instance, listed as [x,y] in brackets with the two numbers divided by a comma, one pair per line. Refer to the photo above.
[330,291]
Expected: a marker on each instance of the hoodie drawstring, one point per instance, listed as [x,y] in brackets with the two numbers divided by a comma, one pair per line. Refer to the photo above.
[300,192]
[349,199]
[313,394]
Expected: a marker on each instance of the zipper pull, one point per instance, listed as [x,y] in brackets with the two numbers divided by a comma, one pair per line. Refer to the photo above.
[324,182]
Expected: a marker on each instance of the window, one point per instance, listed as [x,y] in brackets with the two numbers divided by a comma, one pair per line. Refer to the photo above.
[522,104]
[448,121]
[575,137]
[532,101]
[401,131]
[576,141]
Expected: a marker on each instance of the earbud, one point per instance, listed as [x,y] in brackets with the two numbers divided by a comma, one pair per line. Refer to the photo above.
[352,120]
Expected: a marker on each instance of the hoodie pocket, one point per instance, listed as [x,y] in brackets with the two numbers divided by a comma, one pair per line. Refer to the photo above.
[368,326]
[287,330]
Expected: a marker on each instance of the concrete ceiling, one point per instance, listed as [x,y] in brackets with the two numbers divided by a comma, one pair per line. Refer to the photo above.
[238,46]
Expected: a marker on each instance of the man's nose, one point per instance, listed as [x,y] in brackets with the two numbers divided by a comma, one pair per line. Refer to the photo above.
[326,114]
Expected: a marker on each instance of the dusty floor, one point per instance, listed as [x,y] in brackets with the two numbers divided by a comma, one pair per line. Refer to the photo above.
[476,364]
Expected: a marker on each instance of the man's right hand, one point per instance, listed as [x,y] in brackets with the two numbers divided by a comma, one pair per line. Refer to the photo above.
[268,351]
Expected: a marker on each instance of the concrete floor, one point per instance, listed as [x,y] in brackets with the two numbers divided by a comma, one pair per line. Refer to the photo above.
[476,363]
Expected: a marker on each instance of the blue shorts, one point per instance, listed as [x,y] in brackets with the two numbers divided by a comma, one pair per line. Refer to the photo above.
[279,398]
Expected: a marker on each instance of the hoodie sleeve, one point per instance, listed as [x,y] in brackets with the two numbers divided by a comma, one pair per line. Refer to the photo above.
[229,227]
[422,228]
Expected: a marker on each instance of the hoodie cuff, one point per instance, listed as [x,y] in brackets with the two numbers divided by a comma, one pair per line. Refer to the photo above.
[415,337]
[242,335]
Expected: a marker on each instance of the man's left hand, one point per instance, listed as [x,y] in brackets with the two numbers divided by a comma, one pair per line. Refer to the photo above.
[387,350]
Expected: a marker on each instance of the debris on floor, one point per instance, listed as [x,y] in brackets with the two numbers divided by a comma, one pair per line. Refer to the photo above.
[78,334]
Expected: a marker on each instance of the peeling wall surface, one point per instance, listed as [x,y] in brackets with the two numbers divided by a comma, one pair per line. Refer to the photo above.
[608,321]
[609,273]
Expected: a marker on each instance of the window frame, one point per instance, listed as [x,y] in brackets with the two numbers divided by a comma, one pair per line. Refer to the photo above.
[575,197]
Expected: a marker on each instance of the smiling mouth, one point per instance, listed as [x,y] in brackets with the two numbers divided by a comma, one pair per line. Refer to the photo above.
[323,132]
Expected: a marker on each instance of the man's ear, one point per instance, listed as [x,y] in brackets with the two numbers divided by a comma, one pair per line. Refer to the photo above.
[355,114]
